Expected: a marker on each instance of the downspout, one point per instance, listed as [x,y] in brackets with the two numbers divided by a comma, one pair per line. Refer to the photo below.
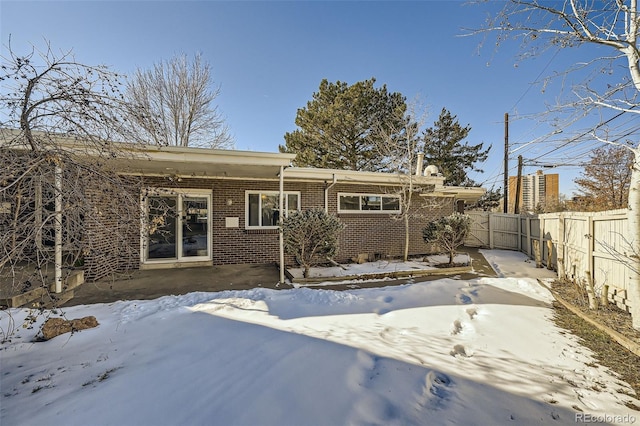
[326,193]
[419,164]
[280,220]
[58,229]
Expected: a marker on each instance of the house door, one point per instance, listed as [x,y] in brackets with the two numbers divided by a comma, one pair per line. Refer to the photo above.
[178,228]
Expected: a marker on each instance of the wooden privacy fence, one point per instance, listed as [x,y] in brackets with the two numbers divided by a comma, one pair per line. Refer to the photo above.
[573,244]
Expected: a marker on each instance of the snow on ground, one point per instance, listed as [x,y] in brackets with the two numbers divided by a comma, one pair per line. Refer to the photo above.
[445,352]
[380,266]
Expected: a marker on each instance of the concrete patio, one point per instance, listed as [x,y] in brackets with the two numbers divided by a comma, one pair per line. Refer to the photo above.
[151,284]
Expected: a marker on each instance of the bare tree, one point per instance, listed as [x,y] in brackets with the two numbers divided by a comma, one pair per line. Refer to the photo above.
[172,104]
[609,80]
[58,181]
[398,147]
[605,179]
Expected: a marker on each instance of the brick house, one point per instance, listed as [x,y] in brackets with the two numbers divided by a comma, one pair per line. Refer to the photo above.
[202,207]
[224,206]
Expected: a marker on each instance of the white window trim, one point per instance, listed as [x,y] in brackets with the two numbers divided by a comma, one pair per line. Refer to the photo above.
[179,193]
[286,206]
[360,195]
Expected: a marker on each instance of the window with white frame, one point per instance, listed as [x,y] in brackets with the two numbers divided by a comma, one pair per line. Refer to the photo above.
[262,207]
[368,203]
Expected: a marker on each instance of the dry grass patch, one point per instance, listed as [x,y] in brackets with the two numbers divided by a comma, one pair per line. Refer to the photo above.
[606,350]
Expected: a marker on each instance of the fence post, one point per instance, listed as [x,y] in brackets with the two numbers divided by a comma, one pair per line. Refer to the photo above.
[541,229]
[519,218]
[528,233]
[536,253]
[490,220]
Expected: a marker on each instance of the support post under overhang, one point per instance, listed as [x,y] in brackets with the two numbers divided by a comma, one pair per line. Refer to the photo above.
[280,220]
[58,229]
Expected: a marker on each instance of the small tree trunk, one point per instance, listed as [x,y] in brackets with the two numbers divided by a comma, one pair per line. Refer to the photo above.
[536,253]
[406,237]
[591,293]
[305,271]
[550,251]
[604,297]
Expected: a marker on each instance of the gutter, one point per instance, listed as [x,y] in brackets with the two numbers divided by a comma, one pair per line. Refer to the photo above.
[326,192]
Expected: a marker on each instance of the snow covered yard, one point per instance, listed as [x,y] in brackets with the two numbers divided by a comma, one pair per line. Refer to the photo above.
[380,267]
[481,352]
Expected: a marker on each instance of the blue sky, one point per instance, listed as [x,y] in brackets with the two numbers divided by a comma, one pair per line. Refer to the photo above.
[270,56]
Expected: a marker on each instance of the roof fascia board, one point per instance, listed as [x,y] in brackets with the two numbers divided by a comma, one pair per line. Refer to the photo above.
[458,192]
[175,153]
[204,156]
[354,176]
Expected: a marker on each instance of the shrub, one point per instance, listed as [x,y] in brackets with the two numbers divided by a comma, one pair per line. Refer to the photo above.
[311,236]
[448,233]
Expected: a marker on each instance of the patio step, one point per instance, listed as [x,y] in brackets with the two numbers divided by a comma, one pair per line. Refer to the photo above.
[74,279]
[40,297]
[382,275]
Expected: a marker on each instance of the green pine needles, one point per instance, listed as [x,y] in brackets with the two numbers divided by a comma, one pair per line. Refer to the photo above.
[448,233]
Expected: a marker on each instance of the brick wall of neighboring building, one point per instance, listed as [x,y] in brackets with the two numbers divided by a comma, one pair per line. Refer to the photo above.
[552,192]
[381,234]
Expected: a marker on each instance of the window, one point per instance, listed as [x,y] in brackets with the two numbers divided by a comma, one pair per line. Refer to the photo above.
[262,207]
[178,226]
[369,203]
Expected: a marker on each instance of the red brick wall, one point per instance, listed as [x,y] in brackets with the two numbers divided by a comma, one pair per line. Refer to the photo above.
[384,234]
[363,233]
[240,245]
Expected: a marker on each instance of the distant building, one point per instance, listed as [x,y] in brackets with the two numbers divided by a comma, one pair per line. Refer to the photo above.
[536,190]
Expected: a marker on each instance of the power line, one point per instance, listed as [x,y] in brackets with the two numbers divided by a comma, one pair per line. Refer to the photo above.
[575,138]
[535,81]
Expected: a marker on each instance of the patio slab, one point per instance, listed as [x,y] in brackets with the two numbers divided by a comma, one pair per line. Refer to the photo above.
[151,284]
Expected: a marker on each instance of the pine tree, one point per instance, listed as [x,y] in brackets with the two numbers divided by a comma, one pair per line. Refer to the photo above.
[443,148]
[489,201]
[605,180]
[339,127]
[448,233]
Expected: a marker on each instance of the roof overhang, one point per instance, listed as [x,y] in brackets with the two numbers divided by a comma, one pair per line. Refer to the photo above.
[205,163]
[145,160]
[360,177]
[151,160]
[468,194]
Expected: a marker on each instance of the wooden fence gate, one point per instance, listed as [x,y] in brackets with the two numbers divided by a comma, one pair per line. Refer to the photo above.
[576,245]
[494,230]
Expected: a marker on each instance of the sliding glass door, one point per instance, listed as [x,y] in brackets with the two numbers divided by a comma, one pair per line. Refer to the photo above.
[195,227]
[178,227]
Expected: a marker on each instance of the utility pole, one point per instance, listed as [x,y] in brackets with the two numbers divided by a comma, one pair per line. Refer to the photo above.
[505,208]
[516,208]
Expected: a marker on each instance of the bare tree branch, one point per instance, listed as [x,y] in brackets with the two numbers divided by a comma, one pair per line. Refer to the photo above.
[59,130]
[173,104]
[610,82]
